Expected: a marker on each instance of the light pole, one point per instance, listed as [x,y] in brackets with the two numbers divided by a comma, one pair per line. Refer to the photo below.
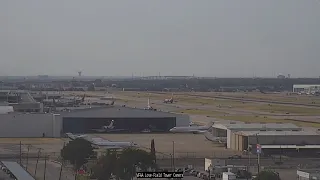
[173,156]
[28,157]
[45,167]
[35,171]
[249,152]
[258,152]
[20,148]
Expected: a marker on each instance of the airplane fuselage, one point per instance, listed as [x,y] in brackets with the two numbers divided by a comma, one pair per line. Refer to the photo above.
[115,144]
[189,129]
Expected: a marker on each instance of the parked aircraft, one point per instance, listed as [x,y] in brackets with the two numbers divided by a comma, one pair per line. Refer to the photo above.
[191,129]
[169,100]
[113,144]
[100,142]
[75,136]
[109,128]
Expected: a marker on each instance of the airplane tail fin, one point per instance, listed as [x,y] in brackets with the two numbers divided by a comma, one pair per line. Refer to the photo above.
[111,124]
[210,124]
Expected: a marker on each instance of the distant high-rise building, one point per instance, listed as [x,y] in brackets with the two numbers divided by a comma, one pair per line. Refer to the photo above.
[79,72]
[289,75]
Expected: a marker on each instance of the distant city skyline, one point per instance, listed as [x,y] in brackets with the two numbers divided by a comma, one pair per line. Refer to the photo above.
[245,38]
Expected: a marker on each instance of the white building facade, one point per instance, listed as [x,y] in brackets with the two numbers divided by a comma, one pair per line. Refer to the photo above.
[306,88]
[30,125]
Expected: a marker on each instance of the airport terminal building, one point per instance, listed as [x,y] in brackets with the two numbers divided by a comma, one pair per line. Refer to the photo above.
[127,120]
[273,137]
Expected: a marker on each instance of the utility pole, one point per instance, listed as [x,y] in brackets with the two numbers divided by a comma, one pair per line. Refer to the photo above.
[60,173]
[173,156]
[258,152]
[28,157]
[20,154]
[45,167]
[35,171]
[249,152]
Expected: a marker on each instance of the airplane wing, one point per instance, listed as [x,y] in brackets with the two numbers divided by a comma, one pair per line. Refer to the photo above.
[116,130]
[198,131]
[111,147]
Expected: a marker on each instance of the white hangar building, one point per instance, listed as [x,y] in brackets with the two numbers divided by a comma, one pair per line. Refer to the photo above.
[306,88]
[272,137]
[30,125]
[86,120]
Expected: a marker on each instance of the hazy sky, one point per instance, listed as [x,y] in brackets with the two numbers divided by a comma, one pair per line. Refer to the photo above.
[175,37]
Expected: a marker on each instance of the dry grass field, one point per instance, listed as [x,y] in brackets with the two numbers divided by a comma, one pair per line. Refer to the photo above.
[238,109]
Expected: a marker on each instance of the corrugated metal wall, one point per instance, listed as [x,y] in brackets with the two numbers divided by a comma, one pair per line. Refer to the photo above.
[182,120]
[283,140]
[135,125]
[30,125]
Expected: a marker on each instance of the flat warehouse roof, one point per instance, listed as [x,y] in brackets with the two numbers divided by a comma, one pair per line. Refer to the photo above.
[117,112]
[290,147]
[278,133]
[253,126]
[17,170]
[305,85]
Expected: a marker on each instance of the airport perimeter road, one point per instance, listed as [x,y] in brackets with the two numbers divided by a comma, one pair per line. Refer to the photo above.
[4,176]
[52,171]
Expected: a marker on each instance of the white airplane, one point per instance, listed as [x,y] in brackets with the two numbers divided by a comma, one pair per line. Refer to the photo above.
[75,136]
[109,128]
[113,145]
[169,100]
[100,142]
[191,129]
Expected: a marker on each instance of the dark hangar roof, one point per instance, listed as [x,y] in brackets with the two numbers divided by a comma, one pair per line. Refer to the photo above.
[116,112]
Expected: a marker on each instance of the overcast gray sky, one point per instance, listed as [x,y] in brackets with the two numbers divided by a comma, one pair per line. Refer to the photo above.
[218,38]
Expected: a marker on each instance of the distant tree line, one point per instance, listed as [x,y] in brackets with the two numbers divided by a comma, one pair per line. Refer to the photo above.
[271,84]
[195,84]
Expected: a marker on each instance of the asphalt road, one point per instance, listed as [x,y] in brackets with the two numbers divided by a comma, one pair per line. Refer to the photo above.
[52,170]
[4,176]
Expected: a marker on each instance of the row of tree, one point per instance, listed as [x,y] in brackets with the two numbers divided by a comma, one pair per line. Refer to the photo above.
[120,164]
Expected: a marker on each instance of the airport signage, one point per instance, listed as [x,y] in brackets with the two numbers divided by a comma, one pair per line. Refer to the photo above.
[159,175]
